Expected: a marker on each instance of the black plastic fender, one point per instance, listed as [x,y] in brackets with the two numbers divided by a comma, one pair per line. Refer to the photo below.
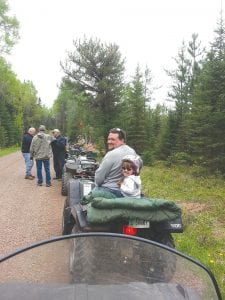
[74,192]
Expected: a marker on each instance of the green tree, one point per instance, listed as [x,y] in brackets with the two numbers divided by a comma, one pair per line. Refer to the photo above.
[28,102]
[208,113]
[180,94]
[19,106]
[9,113]
[9,26]
[155,129]
[136,131]
[196,53]
[69,110]
[133,110]
[184,80]
[97,68]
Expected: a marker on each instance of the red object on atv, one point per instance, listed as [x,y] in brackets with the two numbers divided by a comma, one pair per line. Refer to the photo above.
[129,230]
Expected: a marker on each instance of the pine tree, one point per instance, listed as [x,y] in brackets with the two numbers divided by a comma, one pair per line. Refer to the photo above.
[97,68]
[180,93]
[135,110]
[208,113]
[8,29]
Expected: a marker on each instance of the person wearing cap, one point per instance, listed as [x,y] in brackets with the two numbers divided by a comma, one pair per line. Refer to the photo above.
[41,150]
[109,172]
[130,185]
[25,149]
[58,145]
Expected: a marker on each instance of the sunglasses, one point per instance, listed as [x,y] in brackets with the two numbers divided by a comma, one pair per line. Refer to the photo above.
[126,168]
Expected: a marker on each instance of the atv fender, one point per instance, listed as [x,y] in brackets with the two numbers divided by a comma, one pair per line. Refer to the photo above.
[74,193]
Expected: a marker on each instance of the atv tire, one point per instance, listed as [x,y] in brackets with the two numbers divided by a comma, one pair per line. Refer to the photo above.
[66,176]
[82,258]
[160,266]
[67,219]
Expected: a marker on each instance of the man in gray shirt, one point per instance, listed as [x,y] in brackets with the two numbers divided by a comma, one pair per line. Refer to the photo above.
[109,172]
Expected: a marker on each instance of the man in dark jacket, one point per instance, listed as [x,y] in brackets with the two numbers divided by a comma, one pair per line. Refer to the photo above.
[59,153]
[25,149]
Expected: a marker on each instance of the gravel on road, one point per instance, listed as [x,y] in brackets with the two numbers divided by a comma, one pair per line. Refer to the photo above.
[29,213]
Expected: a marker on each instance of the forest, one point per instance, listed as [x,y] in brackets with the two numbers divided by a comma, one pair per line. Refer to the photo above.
[94,97]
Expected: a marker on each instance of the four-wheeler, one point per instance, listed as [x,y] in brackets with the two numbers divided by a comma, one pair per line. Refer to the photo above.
[79,217]
[79,164]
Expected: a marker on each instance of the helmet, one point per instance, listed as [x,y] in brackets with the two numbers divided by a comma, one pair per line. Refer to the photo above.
[136,160]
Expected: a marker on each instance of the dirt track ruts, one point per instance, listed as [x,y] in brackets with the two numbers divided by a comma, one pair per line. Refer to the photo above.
[28,213]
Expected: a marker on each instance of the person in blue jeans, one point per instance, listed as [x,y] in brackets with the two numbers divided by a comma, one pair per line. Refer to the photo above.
[40,149]
[25,149]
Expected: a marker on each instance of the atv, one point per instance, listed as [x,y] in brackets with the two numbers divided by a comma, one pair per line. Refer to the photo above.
[79,164]
[78,218]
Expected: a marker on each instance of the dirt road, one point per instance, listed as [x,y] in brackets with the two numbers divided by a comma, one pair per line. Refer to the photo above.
[28,213]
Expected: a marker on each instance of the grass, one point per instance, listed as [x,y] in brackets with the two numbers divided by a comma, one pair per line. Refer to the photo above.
[9,150]
[202,199]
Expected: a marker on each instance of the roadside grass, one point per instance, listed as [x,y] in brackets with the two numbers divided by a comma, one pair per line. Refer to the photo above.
[9,150]
[202,199]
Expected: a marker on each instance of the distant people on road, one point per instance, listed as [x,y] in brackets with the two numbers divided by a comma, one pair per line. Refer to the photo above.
[25,149]
[41,150]
[59,144]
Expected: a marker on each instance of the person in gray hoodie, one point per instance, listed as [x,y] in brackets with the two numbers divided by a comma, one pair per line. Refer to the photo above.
[41,150]
[109,172]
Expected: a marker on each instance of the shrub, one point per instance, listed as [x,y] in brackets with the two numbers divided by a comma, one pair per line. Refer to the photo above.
[148,158]
[181,158]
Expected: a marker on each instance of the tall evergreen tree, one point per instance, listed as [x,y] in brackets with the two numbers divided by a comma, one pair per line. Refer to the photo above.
[97,68]
[134,112]
[180,93]
[196,53]
[208,114]
[8,28]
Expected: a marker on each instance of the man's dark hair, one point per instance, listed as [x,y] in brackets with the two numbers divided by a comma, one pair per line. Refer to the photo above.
[121,133]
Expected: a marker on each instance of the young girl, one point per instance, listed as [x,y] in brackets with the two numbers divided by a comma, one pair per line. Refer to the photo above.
[130,185]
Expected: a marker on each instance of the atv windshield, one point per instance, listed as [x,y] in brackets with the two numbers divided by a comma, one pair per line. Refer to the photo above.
[103,266]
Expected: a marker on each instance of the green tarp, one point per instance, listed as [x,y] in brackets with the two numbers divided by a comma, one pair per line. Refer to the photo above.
[101,210]
[95,193]
[134,203]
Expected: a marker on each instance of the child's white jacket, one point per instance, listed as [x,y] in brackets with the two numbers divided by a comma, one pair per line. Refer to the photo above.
[131,186]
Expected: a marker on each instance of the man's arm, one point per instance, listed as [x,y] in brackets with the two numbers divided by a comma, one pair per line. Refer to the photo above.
[32,148]
[103,170]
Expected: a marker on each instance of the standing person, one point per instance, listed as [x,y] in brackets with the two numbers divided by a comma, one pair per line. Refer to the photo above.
[109,172]
[40,149]
[25,149]
[130,185]
[59,153]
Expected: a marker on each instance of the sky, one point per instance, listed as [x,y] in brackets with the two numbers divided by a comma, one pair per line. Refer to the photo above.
[148,32]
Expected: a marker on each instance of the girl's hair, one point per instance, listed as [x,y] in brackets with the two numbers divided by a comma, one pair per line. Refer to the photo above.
[129,165]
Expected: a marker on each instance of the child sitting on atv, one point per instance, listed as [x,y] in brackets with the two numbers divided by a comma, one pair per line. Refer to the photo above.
[130,185]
